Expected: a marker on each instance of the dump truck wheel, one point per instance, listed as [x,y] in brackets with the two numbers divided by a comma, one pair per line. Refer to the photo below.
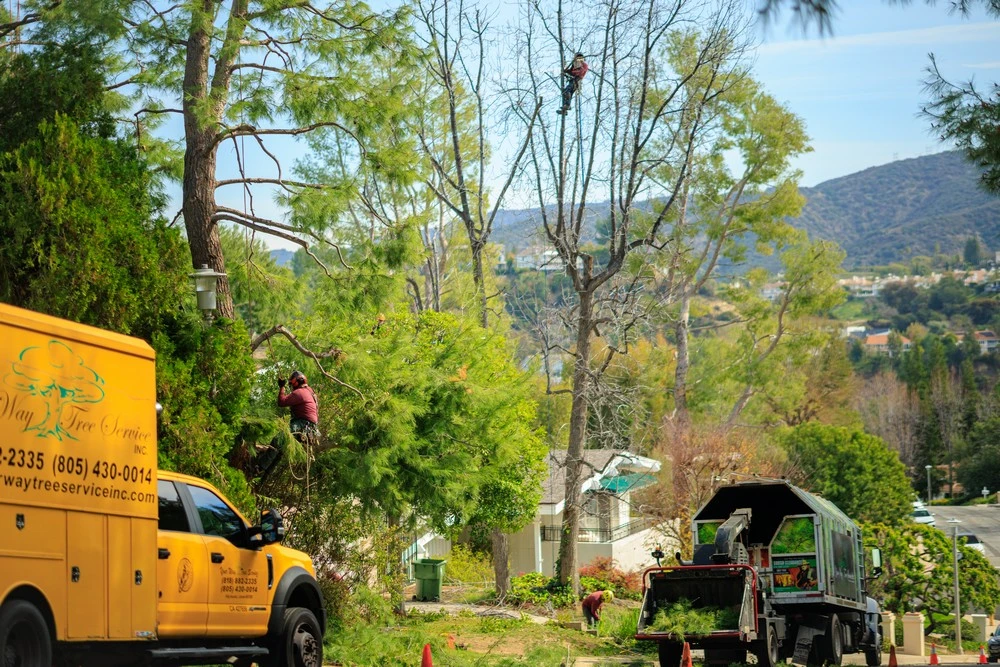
[670,653]
[300,643]
[24,636]
[873,656]
[766,649]
[835,644]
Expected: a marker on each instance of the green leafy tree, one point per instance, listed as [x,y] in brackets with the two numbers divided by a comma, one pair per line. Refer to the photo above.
[852,469]
[918,573]
[972,253]
[79,213]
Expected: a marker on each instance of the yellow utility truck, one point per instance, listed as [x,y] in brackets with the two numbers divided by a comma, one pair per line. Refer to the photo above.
[105,560]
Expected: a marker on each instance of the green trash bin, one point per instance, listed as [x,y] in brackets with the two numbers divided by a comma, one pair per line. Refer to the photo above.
[429,573]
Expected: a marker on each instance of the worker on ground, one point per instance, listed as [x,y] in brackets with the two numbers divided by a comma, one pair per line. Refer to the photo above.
[573,75]
[302,402]
[592,605]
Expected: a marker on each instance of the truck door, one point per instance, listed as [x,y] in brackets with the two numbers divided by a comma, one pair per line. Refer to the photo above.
[182,576]
[237,596]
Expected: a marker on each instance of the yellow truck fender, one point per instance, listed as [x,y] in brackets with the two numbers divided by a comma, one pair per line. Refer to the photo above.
[297,588]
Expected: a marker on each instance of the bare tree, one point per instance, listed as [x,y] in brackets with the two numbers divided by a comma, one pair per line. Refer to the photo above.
[458,70]
[637,119]
[890,410]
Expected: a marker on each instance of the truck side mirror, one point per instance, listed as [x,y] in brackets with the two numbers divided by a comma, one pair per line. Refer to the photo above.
[876,563]
[272,527]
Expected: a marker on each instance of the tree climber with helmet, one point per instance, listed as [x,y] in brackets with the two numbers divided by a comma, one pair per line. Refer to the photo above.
[572,75]
[301,400]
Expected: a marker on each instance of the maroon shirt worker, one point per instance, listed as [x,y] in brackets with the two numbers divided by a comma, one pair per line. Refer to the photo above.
[592,605]
[301,400]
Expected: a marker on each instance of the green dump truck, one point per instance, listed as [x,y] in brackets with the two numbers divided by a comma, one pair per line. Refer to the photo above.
[777,571]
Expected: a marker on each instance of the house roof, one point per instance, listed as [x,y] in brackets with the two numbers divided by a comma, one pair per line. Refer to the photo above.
[883,339]
[604,469]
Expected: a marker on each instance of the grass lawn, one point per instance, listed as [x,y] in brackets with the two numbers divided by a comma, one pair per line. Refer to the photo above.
[484,641]
[853,309]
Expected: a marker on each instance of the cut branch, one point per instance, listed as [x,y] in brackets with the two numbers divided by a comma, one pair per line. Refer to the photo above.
[333,353]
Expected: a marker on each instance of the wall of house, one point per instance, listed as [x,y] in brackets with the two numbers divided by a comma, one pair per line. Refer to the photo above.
[523,549]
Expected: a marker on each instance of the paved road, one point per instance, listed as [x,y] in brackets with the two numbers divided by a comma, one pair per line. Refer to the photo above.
[982,520]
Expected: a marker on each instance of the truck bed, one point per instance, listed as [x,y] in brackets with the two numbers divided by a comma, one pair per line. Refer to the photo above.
[725,587]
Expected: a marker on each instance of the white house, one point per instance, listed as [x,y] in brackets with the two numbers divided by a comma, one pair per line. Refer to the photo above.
[610,527]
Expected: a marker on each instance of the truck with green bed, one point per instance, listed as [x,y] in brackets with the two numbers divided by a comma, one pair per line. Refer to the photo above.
[777,571]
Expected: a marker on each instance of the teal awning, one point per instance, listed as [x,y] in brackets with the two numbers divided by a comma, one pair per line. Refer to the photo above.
[622,483]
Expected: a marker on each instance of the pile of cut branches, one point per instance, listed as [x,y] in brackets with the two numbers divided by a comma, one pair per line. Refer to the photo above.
[681,618]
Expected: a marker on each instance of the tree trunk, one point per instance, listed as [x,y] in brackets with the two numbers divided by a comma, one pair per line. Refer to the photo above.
[478,277]
[501,562]
[200,161]
[568,571]
[682,415]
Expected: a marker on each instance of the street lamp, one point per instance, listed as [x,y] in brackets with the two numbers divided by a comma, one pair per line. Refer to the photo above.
[928,469]
[205,280]
[958,608]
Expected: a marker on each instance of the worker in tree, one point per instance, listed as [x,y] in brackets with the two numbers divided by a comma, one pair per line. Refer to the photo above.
[302,402]
[573,75]
[592,605]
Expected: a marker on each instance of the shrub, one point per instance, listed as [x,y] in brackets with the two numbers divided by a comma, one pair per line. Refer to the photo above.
[601,574]
[536,588]
[466,566]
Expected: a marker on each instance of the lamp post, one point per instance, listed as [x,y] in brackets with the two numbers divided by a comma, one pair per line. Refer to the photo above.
[928,469]
[958,608]
[205,280]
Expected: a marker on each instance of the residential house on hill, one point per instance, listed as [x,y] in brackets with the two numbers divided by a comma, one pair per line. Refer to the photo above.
[878,343]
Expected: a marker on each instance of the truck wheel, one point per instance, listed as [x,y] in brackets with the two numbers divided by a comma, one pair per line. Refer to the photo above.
[873,656]
[766,649]
[835,651]
[669,653]
[24,636]
[300,643]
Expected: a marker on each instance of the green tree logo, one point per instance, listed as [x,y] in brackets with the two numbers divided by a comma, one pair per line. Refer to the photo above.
[59,375]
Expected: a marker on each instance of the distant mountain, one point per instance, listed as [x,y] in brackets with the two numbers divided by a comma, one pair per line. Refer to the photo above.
[884,214]
[282,257]
[910,207]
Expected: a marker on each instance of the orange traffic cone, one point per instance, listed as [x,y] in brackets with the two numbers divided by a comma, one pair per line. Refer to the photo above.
[686,656]
[982,655]
[451,641]
[426,661]
[934,658]
[892,656]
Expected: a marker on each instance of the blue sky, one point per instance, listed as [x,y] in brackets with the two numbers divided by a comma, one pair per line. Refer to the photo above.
[860,90]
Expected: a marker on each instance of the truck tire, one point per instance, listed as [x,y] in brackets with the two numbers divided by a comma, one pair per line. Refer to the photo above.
[669,653]
[766,649]
[835,643]
[873,656]
[24,636]
[300,643]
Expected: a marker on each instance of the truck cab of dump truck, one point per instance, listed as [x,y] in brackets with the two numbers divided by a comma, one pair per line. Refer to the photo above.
[105,560]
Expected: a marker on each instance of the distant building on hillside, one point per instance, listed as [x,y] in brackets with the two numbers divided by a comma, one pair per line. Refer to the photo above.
[878,343]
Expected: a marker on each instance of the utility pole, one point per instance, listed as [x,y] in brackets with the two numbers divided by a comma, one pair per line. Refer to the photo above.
[958,608]
[928,469]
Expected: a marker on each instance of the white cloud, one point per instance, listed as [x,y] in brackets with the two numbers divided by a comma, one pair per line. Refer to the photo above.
[990,65]
[948,34]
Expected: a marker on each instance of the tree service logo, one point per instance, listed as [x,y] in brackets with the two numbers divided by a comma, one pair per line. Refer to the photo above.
[59,376]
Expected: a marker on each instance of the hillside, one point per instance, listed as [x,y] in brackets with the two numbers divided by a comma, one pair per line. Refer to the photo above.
[892,212]
[883,214]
